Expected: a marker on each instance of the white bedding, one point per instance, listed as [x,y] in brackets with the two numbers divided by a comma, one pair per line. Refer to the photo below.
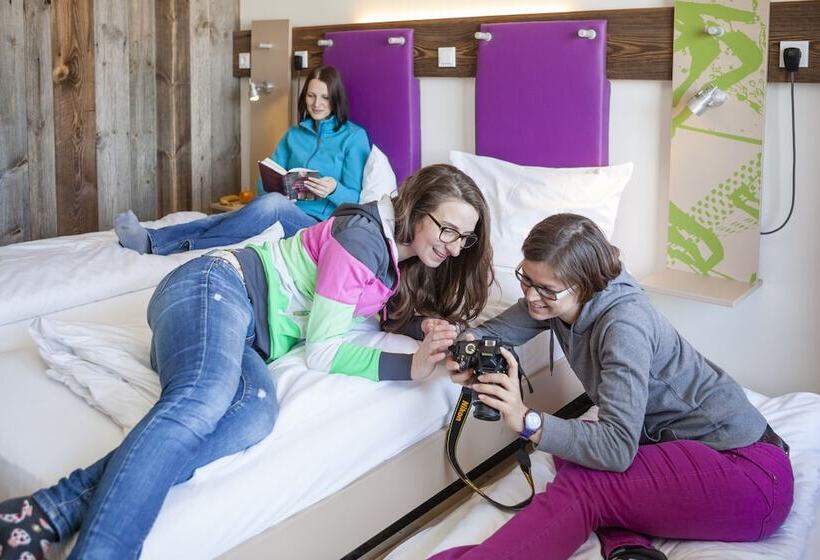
[331,430]
[795,417]
[48,275]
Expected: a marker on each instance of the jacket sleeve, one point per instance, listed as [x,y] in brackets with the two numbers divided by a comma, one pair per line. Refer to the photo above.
[514,325]
[349,185]
[280,155]
[340,282]
[611,443]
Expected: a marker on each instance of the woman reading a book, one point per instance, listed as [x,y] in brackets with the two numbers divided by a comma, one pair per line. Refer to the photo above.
[219,319]
[324,142]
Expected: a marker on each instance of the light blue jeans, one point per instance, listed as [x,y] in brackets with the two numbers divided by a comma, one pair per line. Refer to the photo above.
[231,227]
[217,398]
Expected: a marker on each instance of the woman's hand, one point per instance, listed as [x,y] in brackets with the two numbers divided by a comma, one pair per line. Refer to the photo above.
[502,391]
[322,187]
[460,377]
[431,322]
[432,349]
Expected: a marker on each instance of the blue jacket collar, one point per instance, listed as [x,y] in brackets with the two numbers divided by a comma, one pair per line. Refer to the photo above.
[325,127]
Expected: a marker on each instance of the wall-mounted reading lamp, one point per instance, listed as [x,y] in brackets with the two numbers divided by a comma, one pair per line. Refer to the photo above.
[256,89]
[711,96]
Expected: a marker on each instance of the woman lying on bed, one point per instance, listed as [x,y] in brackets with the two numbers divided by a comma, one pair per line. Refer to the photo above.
[218,319]
[678,451]
[324,140]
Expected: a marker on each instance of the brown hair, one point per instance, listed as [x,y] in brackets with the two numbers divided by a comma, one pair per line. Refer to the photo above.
[576,250]
[456,290]
[335,92]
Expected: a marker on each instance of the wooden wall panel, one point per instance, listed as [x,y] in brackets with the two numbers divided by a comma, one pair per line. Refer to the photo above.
[639,41]
[173,105]
[215,149]
[143,114]
[42,187]
[200,31]
[74,115]
[113,110]
[226,143]
[13,138]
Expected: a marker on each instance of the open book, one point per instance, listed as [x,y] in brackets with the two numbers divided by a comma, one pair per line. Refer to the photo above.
[289,182]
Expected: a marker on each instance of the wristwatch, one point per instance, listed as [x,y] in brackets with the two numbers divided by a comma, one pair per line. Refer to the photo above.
[532,423]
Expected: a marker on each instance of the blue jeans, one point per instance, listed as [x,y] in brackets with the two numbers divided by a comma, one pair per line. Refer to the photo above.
[217,398]
[231,227]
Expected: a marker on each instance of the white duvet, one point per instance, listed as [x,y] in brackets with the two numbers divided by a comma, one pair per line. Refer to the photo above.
[48,275]
[795,417]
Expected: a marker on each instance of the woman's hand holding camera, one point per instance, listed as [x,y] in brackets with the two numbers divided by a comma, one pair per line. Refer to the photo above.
[502,392]
[456,376]
[438,336]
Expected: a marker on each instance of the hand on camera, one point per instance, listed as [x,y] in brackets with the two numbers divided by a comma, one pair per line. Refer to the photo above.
[459,377]
[502,392]
[437,338]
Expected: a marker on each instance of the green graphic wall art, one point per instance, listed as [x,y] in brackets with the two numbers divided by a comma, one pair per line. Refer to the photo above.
[715,166]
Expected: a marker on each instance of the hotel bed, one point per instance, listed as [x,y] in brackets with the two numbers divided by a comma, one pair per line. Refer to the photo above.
[794,416]
[342,449]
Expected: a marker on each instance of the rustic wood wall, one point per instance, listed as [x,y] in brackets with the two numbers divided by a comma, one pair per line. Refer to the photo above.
[112,104]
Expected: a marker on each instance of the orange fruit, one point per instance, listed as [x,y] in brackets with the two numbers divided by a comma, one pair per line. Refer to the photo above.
[246,196]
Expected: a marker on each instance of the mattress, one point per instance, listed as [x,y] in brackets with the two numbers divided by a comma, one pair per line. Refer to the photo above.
[331,430]
[48,275]
[795,417]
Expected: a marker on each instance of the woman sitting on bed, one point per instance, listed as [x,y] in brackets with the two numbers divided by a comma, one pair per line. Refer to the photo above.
[324,140]
[678,451]
[218,319]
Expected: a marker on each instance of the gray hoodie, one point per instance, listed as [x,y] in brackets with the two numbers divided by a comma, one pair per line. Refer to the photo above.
[649,383]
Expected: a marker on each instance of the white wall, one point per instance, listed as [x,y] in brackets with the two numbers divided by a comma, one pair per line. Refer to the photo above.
[770,341]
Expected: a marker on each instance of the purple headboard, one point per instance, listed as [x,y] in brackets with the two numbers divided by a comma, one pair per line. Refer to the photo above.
[542,97]
[382,91]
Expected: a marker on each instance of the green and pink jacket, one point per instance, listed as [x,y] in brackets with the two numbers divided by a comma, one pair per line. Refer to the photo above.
[325,278]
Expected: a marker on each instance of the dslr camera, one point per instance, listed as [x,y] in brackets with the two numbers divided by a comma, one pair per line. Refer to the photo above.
[483,356]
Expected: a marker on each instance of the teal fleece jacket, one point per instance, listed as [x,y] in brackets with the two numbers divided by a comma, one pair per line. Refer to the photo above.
[340,154]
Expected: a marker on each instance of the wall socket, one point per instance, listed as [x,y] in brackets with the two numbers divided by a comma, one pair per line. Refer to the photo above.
[804,51]
[304,56]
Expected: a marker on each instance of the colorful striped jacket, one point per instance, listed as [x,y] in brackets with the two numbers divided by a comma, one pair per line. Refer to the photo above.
[326,277]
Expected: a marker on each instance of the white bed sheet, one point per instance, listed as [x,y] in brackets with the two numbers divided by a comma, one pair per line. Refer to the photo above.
[331,430]
[48,275]
[795,417]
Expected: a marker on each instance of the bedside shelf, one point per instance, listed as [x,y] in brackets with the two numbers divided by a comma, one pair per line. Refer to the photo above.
[698,287]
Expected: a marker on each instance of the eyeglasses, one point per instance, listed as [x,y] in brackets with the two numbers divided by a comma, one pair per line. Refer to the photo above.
[542,291]
[450,235]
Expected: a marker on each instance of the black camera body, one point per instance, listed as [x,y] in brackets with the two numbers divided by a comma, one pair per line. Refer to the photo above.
[483,356]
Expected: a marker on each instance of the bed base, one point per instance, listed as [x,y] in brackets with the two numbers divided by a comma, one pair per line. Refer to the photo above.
[382,507]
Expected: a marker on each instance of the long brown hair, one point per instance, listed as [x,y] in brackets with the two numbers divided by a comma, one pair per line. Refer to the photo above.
[576,250]
[335,92]
[456,290]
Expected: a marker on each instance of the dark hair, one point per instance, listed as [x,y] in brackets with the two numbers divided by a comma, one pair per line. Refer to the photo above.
[457,290]
[576,250]
[335,92]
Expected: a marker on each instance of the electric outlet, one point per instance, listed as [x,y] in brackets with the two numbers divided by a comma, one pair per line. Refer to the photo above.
[304,56]
[804,51]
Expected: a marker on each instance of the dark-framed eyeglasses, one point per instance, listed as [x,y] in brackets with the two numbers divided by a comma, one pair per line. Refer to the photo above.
[450,235]
[542,291]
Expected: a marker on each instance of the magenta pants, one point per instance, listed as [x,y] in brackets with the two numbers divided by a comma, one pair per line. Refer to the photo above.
[676,490]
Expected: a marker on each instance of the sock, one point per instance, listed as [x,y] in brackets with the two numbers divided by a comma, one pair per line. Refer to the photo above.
[25,532]
[636,553]
[131,234]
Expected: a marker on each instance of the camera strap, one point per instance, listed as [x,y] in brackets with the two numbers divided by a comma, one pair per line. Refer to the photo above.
[460,415]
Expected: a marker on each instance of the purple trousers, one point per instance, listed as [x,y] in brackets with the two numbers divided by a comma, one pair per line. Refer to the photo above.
[676,490]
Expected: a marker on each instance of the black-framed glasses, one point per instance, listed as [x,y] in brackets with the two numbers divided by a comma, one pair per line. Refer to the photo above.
[450,235]
[542,291]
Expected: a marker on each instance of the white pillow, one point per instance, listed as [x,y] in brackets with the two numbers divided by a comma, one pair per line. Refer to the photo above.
[378,179]
[520,196]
